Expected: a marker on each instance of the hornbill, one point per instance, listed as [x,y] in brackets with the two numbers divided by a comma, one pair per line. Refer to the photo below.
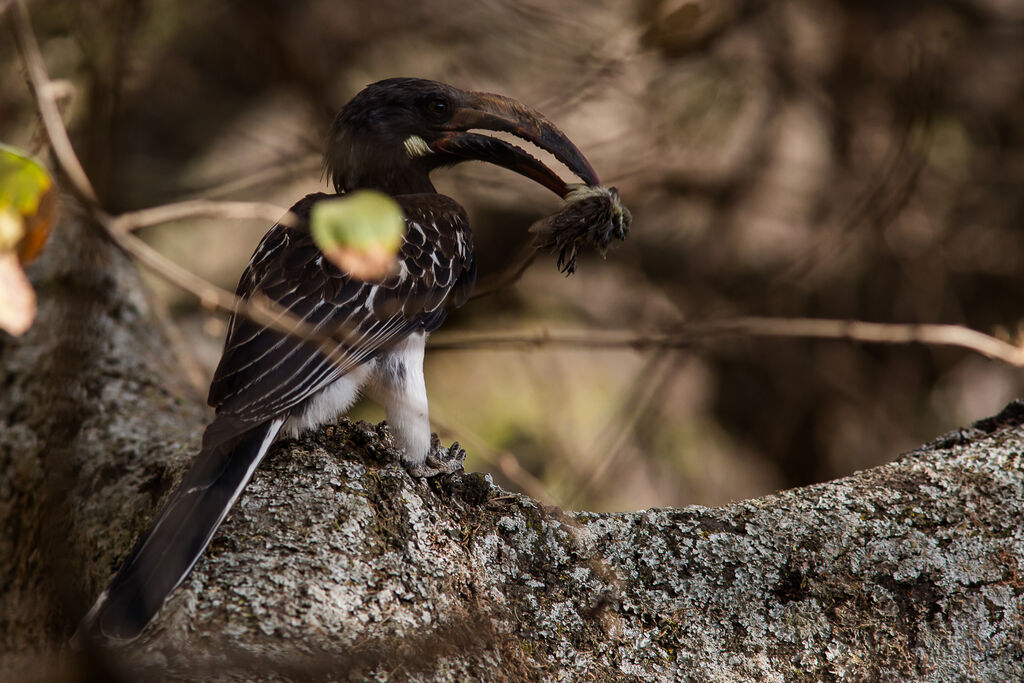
[389,137]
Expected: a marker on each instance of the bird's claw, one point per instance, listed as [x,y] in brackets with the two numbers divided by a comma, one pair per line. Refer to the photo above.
[440,460]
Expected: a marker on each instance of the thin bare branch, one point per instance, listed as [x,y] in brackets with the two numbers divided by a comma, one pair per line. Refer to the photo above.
[260,310]
[647,388]
[202,208]
[184,353]
[519,340]
[275,173]
[46,101]
[509,276]
[878,333]
[688,335]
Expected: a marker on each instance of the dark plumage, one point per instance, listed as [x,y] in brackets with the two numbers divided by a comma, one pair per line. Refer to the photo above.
[264,373]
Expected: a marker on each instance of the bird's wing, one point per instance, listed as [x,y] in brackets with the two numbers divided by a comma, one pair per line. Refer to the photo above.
[264,373]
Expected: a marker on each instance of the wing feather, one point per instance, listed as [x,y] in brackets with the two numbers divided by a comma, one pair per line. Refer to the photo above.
[264,373]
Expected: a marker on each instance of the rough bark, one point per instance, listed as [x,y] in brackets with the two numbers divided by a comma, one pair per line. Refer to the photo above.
[336,565]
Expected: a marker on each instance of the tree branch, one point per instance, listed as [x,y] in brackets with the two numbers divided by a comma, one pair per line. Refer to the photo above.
[689,334]
[335,564]
[201,208]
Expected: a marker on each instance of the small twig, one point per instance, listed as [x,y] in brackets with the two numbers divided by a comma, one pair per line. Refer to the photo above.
[258,308]
[509,276]
[688,335]
[202,208]
[514,340]
[42,90]
[274,173]
[198,380]
[875,333]
[648,385]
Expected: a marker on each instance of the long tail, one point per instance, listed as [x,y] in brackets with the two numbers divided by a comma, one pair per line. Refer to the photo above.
[164,556]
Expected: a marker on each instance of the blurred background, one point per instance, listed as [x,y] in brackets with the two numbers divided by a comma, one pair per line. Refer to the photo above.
[802,158]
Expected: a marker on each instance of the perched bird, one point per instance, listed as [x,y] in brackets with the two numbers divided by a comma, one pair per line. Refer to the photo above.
[389,137]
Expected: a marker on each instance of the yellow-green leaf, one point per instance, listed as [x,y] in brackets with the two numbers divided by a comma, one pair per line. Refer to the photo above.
[360,232]
[27,211]
[27,204]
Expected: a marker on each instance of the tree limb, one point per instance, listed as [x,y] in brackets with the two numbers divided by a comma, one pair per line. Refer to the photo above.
[692,333]
[335,563]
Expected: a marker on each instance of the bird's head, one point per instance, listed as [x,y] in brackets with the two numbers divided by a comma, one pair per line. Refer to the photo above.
[393,133]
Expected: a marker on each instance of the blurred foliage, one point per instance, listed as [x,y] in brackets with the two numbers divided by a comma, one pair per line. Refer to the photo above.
[27,212]
[804,158]
[27,204]
[360,232]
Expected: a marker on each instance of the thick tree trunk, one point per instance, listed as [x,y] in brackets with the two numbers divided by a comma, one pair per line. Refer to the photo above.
[335,564]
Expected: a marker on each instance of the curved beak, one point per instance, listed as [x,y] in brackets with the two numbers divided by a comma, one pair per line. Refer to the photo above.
[485,111]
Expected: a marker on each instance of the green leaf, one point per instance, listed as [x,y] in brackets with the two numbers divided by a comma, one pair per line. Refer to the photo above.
[360,219]
[23,181]
[360,232]
[27,204]
[27,211]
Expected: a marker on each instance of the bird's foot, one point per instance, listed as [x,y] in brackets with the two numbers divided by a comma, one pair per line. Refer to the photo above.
[440,460]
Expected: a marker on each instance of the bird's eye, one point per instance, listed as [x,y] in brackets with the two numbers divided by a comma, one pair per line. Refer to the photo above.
[438,108]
